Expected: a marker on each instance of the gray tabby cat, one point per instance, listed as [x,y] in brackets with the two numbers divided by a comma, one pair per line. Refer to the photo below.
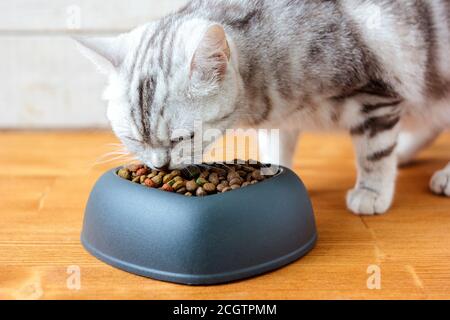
[379,69]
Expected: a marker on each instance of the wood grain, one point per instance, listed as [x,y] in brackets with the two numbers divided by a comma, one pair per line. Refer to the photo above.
[45,179]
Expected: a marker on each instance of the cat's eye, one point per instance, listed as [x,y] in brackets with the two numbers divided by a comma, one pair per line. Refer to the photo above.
[182,138]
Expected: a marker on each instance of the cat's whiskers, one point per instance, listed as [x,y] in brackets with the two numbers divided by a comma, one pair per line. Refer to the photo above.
[120,153]
[118,145]
[117,158]
[114,152]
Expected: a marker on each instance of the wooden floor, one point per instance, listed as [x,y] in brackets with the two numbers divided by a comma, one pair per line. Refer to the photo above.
[45,179]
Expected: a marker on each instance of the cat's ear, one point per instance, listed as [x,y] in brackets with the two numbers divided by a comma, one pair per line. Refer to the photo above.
[107,53]
[211,58]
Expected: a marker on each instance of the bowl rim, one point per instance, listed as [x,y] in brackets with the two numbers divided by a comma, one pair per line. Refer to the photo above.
[282,171]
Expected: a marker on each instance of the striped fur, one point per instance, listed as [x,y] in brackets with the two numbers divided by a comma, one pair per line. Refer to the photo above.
[375,68]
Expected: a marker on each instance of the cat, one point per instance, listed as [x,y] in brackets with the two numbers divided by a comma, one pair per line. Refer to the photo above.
[378,69]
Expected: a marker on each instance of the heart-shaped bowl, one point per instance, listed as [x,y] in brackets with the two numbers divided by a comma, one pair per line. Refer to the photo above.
[199,240]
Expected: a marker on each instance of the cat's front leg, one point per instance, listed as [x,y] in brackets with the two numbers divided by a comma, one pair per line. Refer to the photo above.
[375,140]
[277,148]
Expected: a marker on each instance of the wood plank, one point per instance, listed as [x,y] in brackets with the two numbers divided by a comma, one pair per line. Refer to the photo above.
[49,84]
[46,178]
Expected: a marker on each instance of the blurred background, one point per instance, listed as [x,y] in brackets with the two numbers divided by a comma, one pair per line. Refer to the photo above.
[45,81]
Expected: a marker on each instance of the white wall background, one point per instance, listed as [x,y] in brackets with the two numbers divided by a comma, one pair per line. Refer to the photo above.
[44,81]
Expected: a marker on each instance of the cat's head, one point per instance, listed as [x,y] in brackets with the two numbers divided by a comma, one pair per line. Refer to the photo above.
[165,80]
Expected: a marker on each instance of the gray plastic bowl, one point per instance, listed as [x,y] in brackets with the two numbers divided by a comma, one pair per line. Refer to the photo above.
[199,240]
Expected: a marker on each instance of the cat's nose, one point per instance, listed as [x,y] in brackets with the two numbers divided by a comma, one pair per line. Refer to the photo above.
[160,160]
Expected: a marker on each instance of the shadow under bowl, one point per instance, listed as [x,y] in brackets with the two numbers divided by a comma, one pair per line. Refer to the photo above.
[199,240]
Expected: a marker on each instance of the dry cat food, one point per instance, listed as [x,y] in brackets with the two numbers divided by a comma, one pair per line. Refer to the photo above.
[197,180]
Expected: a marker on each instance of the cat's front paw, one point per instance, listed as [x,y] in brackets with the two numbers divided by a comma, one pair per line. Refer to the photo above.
[440,182]
[365,201]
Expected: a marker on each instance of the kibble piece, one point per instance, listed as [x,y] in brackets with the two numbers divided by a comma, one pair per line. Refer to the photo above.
[245,184]
[201,192]
[225,183]
[167,178]
[209,187]
[221,172]
[191,185]
[157,180]
[220,187]
[178,184]
[170,176]
[141,171]
[167,187]
[178,178]
[182,190]
[151,175]
[214,178]
[236,181]
[256,175]
[232,175]
[204,174]
[149,183]
[226,189]
[137,179]
[235,186]
[254,182]
[188,194]
[124,173]
[201,181]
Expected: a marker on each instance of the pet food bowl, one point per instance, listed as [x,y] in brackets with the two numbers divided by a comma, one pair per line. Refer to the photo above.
[199,240]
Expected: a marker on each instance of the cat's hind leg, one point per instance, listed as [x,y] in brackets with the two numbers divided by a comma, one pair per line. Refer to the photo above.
[440,182]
